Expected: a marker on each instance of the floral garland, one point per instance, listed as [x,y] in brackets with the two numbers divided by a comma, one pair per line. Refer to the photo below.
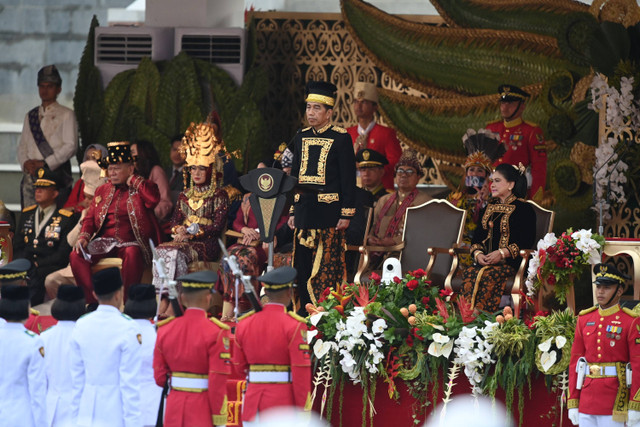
[407,330]
[559,260]
[622,116]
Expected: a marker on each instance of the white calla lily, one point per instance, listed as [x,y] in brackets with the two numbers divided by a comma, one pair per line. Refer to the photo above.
[548,359]
[545,346]
[320,348]
[316,317]
[560,341]
[311,335]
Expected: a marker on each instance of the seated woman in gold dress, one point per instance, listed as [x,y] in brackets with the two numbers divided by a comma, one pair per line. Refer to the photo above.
[200,215]
[508,224]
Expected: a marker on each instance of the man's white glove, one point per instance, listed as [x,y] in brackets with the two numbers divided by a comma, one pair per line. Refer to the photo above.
[633,418]
[574,415]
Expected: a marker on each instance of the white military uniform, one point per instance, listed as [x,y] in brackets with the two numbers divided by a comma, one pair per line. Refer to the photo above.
[150,393]
[23,382]
[105,365]
[57,362]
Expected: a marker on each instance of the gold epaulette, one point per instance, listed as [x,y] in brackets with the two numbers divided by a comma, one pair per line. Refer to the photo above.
[165,321]
[233,193]
[530,123]
[306,129]
[65,212]
[297,317]
[339,129]
[247,314]
[219,323]
[630,312]
[34,312]
[588,310]
[29,208]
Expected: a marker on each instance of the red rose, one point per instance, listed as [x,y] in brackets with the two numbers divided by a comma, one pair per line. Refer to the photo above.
[412,284]
[418,273]
[425,301]
[551,279]
[375,277]
[445,293]
[397,280]
[409,340]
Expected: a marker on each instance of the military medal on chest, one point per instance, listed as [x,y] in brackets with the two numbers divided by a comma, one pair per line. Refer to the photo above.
[614,333]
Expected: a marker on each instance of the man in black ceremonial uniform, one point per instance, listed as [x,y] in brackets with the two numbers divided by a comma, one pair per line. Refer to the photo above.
[41,236]
[324,201]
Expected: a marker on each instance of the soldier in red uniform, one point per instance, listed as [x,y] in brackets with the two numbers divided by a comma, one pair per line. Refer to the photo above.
[271,348]
[192,353]
[523,140]
[606,345]
[119,222]
[369,134]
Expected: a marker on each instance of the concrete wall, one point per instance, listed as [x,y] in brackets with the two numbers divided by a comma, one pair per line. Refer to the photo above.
[34,33]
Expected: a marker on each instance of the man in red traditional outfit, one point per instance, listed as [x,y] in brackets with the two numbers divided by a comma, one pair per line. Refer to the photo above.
[369,134]
[272,349]
[523,140]
[192,352]
[605,350]
[119,222]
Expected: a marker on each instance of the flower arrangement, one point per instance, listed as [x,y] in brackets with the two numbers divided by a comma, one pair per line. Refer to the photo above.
[558,260]
[407,330]
[622,118]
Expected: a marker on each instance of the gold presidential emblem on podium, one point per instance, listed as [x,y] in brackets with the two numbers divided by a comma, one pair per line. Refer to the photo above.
[265,182]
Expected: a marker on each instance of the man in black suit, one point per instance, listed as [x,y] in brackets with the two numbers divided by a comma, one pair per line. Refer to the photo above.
[41,236]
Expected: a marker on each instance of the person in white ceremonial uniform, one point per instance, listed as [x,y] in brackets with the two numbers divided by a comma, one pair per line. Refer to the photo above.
[49,138]
[22,378]
[105,360]
[142,306]
[68,306]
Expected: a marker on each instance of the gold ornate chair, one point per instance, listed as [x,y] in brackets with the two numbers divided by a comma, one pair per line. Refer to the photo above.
[429,230]
[544,225]
[629,247]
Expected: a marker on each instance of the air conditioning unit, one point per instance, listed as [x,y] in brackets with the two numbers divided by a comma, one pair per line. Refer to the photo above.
[122,48]
[225,47]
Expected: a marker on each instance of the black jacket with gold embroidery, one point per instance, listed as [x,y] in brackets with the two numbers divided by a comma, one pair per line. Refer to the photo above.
[510,225]
[325,165]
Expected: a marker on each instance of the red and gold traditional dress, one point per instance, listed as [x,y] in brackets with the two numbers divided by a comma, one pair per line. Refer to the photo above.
[193,351]
[120,221]
[201,210]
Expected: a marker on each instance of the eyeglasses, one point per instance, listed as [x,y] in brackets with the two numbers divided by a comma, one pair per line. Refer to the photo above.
[407,172]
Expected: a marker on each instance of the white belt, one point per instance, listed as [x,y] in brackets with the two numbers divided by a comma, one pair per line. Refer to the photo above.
[269,377]
[609,371]
[189,384]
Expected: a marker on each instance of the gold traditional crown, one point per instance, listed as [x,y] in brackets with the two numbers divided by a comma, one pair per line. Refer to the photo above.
[201,145]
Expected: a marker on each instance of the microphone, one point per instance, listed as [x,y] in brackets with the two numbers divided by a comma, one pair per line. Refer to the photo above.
[288,147]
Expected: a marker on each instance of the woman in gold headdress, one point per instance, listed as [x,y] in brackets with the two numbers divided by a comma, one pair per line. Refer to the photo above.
[483,150]
[200,214]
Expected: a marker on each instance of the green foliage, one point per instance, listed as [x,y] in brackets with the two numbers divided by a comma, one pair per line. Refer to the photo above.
[567,176]
[157,101]
[88,99]
[533,18]
[470,65]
